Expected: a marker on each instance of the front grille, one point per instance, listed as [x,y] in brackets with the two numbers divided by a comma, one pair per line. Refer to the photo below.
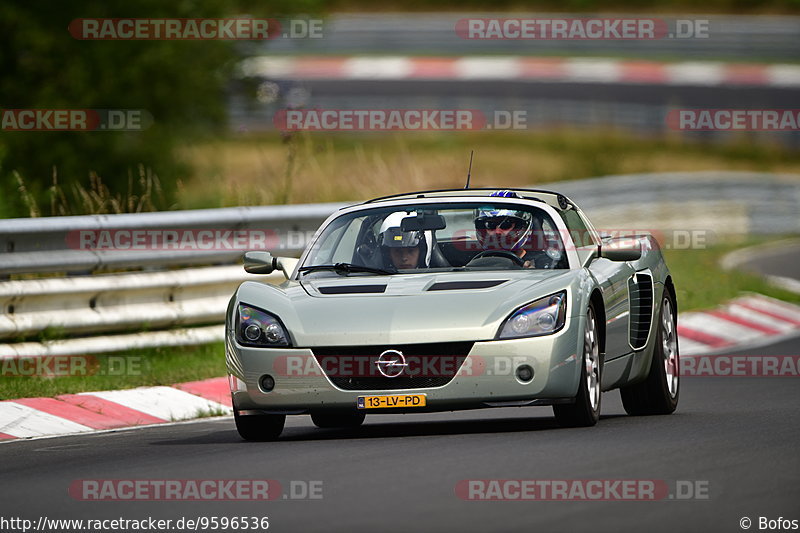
[641,301]
[354,368]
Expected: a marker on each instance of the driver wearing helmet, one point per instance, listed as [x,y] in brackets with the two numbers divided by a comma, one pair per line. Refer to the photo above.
[504,229]
[402,249]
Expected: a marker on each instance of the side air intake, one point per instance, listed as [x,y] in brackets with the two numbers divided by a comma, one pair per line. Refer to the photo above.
[641,299]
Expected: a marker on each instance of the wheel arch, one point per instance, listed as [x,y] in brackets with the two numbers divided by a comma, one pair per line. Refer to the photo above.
[596,299]
[670,287]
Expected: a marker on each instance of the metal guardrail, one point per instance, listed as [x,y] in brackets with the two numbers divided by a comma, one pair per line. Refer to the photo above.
[724,202]
[757,203]
[118,302]
[53,244]
[106,344]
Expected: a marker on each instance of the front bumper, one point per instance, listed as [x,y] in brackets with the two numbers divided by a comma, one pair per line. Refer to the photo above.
[487,377]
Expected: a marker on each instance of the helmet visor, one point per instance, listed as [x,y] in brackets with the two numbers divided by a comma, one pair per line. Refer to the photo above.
[396,238]
[505,223]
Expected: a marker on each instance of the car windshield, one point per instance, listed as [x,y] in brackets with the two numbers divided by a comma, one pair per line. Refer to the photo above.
[437,237]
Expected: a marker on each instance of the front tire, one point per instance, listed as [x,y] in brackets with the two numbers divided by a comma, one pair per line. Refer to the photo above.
[335,419]
[585,411]
[658,393]
[259,428]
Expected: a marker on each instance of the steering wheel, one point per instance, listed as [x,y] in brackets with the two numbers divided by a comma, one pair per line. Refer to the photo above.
[500,253]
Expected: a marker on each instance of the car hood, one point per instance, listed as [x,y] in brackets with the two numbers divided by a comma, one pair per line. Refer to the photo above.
[407,309]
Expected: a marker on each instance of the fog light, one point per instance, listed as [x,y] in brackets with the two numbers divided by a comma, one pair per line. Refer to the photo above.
[524,373]
[267,383]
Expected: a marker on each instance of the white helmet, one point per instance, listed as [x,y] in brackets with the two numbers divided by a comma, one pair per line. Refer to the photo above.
[392,236]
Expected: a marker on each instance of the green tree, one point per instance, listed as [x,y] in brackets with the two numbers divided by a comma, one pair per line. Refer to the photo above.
[180,83]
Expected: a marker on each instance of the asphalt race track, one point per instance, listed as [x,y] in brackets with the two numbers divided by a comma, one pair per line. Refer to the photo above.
[776,262]
[736,436]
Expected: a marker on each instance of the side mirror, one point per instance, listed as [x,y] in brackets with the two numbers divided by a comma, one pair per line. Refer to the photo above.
[616,252]
[263,263]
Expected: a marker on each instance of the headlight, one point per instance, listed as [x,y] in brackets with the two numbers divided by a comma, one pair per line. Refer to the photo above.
[542,317]
[255,327]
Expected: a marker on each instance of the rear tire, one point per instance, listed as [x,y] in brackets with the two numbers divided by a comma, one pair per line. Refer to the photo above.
[337,419]
[259,428]
[585,411]
[658,393]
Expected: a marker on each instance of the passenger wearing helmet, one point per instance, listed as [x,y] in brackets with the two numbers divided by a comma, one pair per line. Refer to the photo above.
[504,229]
[402,249]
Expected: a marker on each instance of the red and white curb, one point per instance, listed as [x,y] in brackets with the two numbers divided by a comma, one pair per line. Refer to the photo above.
[535,69]
[93,411]
[747,321]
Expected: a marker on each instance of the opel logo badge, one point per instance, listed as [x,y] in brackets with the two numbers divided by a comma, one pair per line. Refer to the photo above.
[391,363]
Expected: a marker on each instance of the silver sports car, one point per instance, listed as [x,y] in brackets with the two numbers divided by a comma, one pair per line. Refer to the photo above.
[453,299]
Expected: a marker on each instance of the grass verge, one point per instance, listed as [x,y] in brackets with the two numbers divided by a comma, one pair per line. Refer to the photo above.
[119,370]
[701,283]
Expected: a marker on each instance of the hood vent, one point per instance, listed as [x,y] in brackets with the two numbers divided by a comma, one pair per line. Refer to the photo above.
[462,285]
[352,289]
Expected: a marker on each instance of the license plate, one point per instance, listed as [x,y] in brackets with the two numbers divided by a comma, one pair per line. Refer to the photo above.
[383,402]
